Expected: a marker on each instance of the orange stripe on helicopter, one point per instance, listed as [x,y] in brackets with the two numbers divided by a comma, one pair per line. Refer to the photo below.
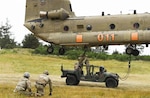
[134,36]
[79,39]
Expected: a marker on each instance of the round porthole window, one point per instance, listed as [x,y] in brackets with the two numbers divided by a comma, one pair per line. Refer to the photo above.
[89,27]
[41,25]
[112,26]
[32,27]
[136,25]
[66,28]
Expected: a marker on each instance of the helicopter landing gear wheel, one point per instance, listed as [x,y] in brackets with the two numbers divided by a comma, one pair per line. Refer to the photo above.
[61,51]
[50,49]
[129,51]
[134,52]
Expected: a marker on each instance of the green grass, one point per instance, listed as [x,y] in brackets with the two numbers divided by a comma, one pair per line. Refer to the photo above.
[14,63]
[20,60]
[80,92]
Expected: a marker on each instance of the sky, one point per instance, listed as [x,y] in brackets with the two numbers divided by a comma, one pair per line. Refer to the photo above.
[14,11]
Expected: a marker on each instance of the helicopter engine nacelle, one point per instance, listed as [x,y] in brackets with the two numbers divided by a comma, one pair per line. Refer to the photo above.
[61,14]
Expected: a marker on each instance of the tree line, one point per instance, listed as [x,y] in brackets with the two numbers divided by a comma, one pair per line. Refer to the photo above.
[74,52]
[7,42]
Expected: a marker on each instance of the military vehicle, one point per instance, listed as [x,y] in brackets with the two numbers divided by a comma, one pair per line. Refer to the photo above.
[55,22]
[73,77]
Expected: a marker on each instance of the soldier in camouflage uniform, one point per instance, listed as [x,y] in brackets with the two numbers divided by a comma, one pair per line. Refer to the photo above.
[84,60]
[42,82]
[24,85]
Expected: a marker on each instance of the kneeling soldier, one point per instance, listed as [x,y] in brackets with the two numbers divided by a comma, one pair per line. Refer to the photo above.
[24,85]
[42,82]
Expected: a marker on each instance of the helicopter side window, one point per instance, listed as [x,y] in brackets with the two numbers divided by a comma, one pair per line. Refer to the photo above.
[136,25]
[80,26]
[66,28]
[89,27]
[112,26]
[70,8]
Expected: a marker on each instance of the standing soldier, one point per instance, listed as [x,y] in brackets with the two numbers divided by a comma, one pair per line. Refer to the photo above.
[84,60]
[24,85]
[42,82]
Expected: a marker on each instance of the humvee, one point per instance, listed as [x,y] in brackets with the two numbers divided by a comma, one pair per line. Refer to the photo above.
[73,77]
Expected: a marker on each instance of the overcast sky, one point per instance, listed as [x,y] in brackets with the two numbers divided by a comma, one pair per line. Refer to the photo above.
[14,11]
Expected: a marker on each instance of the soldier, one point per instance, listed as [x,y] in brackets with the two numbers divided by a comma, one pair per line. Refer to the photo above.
[76,66]
[102,69]
[84,60]
[24,85]
[42,82]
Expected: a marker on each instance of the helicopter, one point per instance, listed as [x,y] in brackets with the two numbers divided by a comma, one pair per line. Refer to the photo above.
[54,21]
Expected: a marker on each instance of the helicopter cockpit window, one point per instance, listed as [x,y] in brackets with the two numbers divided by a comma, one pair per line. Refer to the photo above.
[112,26]
[66,28]
[70,8]
[136,25]
[89,27]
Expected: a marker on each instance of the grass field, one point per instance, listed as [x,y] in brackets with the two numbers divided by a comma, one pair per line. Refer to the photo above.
[14,63]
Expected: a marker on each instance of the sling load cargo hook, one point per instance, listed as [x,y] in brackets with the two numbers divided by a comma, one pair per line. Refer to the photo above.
[128,72]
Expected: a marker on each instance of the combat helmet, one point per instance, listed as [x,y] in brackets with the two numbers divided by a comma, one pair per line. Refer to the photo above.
[46,72]
[26,75]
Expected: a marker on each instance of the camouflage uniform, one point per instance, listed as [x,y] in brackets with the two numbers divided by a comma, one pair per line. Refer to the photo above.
[76,66]
[84,60]
[42,82]
[102,69]
[24,85]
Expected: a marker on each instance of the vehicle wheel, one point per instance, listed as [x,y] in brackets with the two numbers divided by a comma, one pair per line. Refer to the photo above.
[135,52]
[111,83]
[77,82]
[129,51]
[71,80]
[50,49]
[61,51]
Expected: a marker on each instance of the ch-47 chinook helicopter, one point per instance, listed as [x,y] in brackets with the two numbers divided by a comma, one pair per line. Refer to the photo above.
[54,22]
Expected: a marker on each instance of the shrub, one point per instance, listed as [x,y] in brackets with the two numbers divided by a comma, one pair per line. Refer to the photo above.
[41,50]
[74,53]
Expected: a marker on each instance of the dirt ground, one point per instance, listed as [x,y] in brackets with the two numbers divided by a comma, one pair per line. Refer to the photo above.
[133,82]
